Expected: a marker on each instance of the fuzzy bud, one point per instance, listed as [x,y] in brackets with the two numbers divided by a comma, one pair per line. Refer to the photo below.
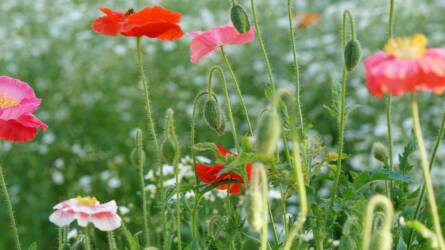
[214,116]
[169,150]
[138,154]
[239,18]
[352,54]
[267,134]
[380,152]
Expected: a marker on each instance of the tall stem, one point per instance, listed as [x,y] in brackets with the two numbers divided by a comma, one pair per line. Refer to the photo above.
[422,193]
[259,36]
[111,241]
[237,88]
[389,102]
[87,240]
[227,99]
[342,117]
[144,204]
[296,65]
[151,125]
[426,172]
[4,190]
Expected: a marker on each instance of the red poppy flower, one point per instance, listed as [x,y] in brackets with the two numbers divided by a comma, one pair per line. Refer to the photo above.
[210,174]
[153,22]
[406,65]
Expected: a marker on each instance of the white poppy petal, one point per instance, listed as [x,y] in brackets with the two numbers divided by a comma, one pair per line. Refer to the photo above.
[62,218]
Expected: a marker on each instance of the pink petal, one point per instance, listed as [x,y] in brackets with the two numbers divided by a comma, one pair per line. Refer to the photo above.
[18,91]
[62,218]
[106,221]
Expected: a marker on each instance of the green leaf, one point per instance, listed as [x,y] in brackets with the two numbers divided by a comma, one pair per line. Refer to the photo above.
[205,146]
[379,175]
[404,157]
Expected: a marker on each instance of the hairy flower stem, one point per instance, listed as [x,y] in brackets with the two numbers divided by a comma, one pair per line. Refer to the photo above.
[342,118]
[111,241]
[87,240]
[426,172]
[4,190]
[237,88]
[422,193]
[227,99]
[151,128]
[149,116]
[194,227]
[259,36]
[389,104]
[297,167]
[61,238]
[144,204]
[296,65]
[265,199]
[385,236]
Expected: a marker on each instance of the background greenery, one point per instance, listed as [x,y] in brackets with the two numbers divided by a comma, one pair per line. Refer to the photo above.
[92,100]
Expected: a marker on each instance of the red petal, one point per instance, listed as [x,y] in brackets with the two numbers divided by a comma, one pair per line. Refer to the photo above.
[156,14]
[162,31]
[13,131]
[207,174]
[111,24]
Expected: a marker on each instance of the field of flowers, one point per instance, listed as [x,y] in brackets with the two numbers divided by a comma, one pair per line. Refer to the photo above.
[289,149]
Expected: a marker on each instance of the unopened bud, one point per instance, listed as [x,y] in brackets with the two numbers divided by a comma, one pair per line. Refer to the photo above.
[214,116]
[169,150]
[138,154]
[352,54]
[239,18]
[267,134]
[380,152]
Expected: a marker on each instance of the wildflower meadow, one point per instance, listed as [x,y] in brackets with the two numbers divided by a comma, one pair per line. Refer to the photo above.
[229,124]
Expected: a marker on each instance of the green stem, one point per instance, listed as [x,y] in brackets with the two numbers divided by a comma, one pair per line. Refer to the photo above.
[422,193]
[262,46]
[111,241]
[389,103]
[426,172]
[60,238]
[149,116]
[297,167]
[342,117]
[284,211]
[296,65]
[144,204]
[237,88]
[265,198]
[228,103]
[385,236]
[4,190]
[196,200]
[86,240]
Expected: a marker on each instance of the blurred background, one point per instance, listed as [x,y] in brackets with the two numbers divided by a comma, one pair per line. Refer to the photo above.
[92,98]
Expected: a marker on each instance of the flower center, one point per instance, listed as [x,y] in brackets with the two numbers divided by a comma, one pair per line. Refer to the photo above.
[7,102]
[407,47]
[86,201]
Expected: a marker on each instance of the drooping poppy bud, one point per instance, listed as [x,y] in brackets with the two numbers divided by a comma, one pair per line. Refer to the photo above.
[267,134]
[239,18]
[214,116]
[138,154]
[352,54]
[380,152]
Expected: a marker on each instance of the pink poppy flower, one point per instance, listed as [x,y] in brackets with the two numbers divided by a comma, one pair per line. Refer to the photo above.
[17,103]
[406,65]
[205,42]
[86,210]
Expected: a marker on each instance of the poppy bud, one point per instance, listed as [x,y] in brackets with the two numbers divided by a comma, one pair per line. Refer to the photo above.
[138,154]
[169,150]
[267,134]
[239,18]
[352,54]
[380,152]
[214,116]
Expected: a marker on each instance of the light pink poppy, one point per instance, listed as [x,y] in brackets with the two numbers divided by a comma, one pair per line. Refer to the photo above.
[17,103]
[406,65]
[205,42]
[87,210]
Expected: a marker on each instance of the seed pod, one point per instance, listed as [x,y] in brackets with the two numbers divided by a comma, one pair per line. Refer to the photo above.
[239,18]
[380,152]
[169,150]
[214,116]
[352,54]
[138,154]
[267,134]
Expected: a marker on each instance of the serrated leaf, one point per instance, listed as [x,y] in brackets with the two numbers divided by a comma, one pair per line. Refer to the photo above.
[205,146]
[380,174]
